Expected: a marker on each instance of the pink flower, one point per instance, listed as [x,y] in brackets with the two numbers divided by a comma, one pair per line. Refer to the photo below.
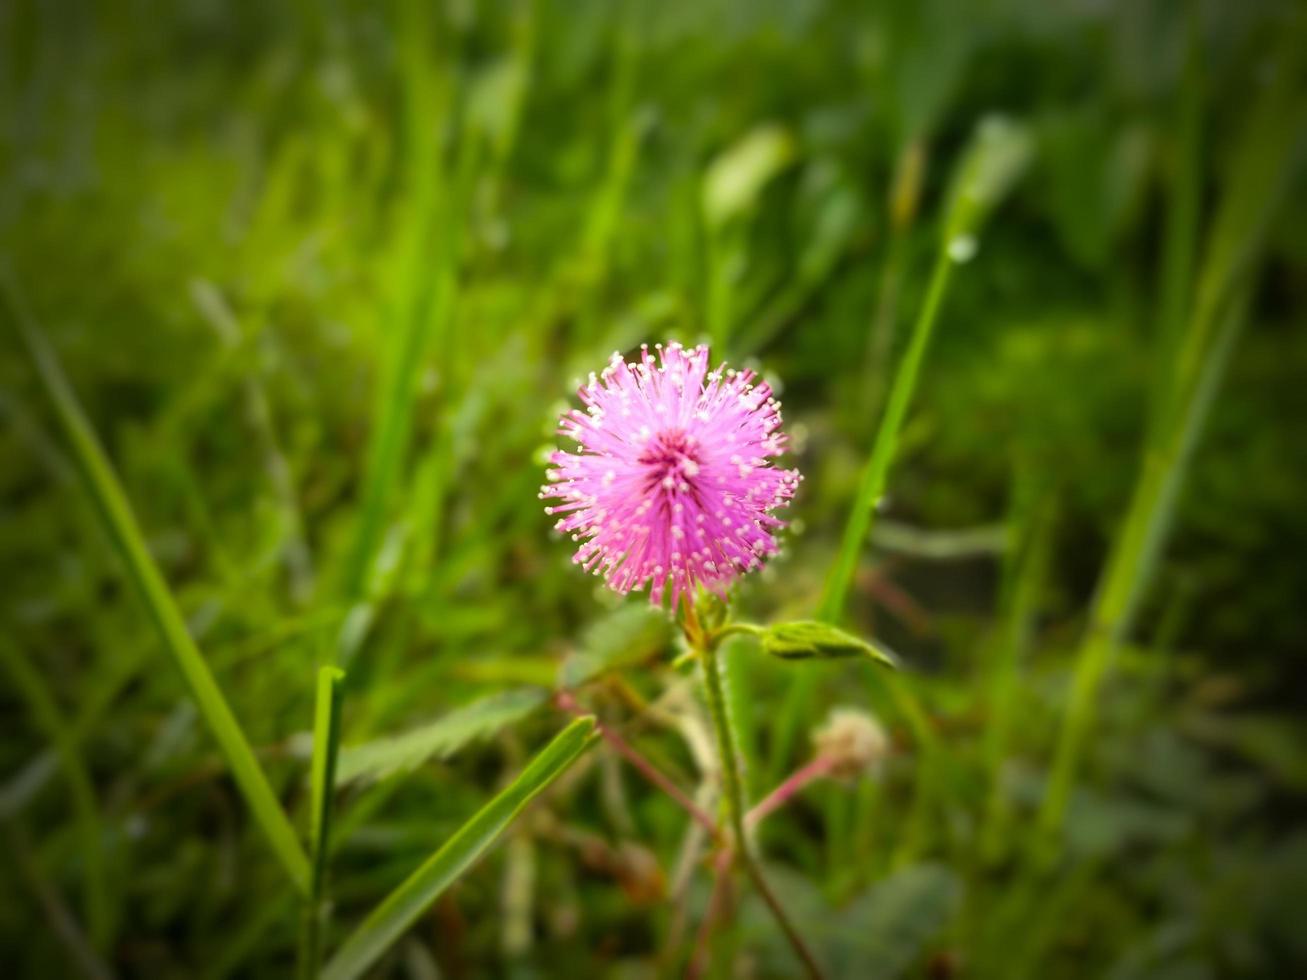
[673,482]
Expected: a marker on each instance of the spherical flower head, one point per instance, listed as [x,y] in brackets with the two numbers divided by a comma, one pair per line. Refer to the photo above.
[852,741]
[672,484]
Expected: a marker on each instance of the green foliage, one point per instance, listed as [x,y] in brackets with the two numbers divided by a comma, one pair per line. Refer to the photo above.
[438,739]
[624,638]
[402,906]
[322,277]
[812,640]
[889,928]
[120,525]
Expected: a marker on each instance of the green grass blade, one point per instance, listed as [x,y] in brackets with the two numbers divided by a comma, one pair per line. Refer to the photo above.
[876,472]
[1263,165]
[121,525]
[1034,521]
[326,741]
[1184,211]
[421,279]
[996,158]
[399,910]
[322,782]
[1127,572]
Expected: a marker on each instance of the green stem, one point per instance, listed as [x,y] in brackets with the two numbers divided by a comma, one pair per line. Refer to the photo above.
[876,473]
[322,781]
[874,477]
[733,789]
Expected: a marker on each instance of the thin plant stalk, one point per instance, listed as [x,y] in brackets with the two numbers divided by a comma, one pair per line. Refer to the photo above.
[322,781]
[733,790]
[643,766]
[905,192]
[121,525]
[718,899]
[872,486]
[876,472]
[996,157]
[818,768]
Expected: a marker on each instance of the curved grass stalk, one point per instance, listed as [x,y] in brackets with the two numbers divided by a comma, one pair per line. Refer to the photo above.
[122,528]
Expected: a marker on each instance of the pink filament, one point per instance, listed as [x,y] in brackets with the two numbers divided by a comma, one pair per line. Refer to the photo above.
[673,482]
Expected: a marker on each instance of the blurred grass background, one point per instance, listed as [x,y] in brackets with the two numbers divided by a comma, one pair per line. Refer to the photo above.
[323,275]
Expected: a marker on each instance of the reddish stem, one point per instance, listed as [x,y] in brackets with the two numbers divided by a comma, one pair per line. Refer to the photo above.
[818,768]
[567,703]
[716,899]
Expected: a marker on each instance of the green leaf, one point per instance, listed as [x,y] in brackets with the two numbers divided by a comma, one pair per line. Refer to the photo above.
[326,741]
[808,639]
[737,176]
[403,906]
[441,738]
[998,155]
[633,633]
[890,927]
[115,513]
[885,932]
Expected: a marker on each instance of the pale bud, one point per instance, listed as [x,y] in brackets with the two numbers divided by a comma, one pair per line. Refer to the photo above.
[853,741]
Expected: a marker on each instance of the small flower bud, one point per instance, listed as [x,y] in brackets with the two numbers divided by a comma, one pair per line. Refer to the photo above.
[853,741]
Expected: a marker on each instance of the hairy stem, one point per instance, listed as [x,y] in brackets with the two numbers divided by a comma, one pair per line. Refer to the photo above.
[733,789]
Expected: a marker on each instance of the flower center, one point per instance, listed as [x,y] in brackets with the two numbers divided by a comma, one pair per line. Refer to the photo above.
[671,457]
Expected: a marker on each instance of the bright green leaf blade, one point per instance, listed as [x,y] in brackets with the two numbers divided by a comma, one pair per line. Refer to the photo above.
[737,176]
[402,907]
[996,157]
[999,153]
[120,524]
[322,780]
[441,738]
[809,639]
[322,774]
